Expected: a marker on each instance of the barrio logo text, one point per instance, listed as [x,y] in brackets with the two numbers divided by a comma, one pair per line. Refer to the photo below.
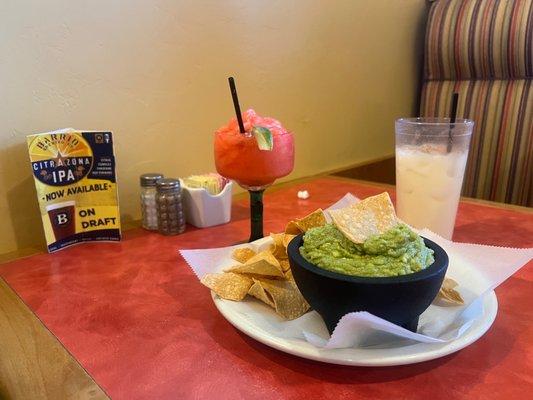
[60,159]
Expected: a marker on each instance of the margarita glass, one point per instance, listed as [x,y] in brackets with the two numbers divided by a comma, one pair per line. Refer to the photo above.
[238,157]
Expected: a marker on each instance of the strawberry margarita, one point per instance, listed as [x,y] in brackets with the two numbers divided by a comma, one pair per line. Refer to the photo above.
[238,157]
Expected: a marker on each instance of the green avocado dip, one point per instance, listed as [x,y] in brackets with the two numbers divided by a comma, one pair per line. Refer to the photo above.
[399,251]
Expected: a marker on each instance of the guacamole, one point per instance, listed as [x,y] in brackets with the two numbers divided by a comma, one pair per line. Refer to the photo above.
[399,251]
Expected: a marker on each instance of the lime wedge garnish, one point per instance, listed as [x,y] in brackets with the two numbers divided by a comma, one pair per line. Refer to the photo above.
[263,136]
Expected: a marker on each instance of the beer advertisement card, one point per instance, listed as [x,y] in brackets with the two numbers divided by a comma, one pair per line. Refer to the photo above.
[75,179]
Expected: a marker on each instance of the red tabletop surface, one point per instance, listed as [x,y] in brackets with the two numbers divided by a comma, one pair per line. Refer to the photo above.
[137,319]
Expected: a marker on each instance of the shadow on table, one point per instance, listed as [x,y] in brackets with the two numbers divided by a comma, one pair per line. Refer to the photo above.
[240,211]
[341,373]
[481,359]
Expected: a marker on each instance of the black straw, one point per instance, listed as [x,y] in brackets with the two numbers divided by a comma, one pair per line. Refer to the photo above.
[236,103]
[455,100]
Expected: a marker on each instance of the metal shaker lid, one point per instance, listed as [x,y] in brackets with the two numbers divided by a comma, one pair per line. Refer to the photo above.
[150,179]
[168,184]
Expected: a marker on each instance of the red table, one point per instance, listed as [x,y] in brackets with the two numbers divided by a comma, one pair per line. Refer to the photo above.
[139,322]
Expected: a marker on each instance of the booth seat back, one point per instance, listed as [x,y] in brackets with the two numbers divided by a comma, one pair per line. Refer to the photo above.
[483,49]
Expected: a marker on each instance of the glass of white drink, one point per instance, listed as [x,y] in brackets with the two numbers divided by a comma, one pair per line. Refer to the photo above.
[431,156]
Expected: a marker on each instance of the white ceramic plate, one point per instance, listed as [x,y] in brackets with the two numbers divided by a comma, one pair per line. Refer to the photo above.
[399,353]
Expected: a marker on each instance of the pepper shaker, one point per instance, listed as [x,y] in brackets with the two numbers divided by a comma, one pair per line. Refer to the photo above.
[170,216]
[148,205]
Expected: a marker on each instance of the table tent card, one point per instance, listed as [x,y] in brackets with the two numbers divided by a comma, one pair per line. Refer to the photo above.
[74,174]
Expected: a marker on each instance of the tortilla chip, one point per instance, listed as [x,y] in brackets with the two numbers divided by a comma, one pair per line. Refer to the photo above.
[278,249]
[449,283]
[229,286]
[277,238]
[287,237]
[259,293]
[448,293]
[243,254]
[262,264]
[292,228]
[372,216]
[316,218]
[285,266]
[288,275]
[288,301]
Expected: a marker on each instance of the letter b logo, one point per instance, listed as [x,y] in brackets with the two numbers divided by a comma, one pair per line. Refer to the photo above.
[62,219]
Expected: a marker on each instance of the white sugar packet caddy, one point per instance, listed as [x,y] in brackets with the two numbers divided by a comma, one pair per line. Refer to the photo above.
[477,268]
[203,209]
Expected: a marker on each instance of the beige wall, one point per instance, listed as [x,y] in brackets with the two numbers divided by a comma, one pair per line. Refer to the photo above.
[154,72]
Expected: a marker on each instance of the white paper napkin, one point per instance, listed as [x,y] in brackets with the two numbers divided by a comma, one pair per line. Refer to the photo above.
[477,268]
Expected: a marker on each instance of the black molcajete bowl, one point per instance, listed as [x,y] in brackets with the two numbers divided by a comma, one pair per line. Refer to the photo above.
[398,299]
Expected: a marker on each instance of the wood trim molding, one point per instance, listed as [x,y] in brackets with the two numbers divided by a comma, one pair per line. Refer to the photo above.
[381,170]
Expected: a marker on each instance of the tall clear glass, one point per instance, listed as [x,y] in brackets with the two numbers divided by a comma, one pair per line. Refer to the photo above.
[431,155]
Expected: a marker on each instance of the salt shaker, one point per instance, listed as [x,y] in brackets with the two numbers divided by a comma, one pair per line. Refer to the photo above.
[148,205]
[170,216]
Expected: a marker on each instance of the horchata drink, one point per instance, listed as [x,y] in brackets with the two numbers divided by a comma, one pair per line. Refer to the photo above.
[254,161]
[431,156]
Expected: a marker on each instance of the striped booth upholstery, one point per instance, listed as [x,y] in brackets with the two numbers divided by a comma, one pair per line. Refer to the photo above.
[483,49]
